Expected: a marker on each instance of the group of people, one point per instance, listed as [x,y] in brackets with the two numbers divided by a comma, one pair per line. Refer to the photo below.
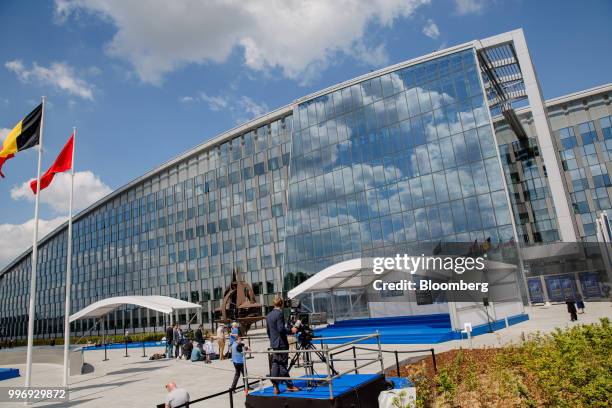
[179,345]
[203,350]
[278,332]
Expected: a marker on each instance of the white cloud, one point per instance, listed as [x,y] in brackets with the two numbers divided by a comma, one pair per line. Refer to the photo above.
[3,133]
[431,29]
[16,238]
[463,7]
[215,103]
[58,75]
[88,188]
[252,108]
[293,36]
[241,107]
[187,99]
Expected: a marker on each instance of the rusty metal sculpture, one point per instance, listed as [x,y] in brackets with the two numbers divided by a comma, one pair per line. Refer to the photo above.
[239,304]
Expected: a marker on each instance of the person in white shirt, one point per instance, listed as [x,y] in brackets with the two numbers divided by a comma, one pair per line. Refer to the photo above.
[209,350]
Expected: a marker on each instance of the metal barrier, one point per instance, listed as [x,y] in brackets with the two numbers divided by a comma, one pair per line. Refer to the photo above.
[326,351]
[395,352]
[329,362]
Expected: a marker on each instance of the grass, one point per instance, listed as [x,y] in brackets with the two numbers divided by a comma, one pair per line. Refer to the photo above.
[566,368]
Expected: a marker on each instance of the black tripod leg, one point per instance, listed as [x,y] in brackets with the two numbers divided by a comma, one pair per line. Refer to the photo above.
[293,361]
[321,357]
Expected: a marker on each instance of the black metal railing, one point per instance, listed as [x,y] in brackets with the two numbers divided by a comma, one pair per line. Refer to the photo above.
[354,349]
[395,352]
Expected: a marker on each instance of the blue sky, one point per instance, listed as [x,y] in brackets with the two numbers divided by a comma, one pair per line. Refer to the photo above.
[143,84]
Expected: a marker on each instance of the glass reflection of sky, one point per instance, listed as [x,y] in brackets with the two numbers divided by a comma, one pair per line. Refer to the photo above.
[402,158]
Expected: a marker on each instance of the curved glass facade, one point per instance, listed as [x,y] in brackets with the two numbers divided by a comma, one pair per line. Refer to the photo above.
[395,160]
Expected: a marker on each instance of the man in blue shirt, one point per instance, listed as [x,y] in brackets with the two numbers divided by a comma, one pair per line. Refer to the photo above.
[238,349]
[196,354]
[233,333]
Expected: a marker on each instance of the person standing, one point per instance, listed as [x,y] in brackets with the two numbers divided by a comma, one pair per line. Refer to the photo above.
[221,340]
[199,338]
[233,334]
[169,341]
[580,303]
[209,350]
[277,333]
[571,309]
[187,348]
[178,340]
[238,349]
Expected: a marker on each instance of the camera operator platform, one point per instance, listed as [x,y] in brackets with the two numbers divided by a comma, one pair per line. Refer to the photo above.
[335,387]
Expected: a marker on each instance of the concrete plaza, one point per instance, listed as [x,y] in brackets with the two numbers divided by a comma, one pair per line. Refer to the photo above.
[137,382]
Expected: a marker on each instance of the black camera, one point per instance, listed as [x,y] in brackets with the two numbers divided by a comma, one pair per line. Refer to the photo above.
[300,320]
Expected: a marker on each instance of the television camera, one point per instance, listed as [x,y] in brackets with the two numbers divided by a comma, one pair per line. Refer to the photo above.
[301,320]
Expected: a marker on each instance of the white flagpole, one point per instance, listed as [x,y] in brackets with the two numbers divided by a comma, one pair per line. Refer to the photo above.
[69,272]
[31,309]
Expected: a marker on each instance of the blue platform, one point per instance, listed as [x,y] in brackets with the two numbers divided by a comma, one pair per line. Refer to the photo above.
[420,329]
[340,386]
[6,373]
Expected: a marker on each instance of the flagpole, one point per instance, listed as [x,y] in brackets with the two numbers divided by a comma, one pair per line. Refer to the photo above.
[69,272]
[31,309]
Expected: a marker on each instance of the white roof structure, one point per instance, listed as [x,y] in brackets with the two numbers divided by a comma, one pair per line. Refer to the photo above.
[356,273]
[163,304]
[345,274]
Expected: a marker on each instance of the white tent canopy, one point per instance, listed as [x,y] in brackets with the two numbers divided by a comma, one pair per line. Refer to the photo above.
[161,304]
[345,274]
[355,273]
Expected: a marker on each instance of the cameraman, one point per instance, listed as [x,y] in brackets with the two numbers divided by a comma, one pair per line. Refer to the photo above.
[277,333]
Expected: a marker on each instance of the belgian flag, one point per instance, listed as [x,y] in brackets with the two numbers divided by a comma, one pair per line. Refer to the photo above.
[23,136]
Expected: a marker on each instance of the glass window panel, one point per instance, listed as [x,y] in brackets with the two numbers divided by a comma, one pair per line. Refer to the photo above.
[422,228]
[439,181]
[467,181]
[453,183]
[459,217]
[447,153]
[459,147]
[473,214]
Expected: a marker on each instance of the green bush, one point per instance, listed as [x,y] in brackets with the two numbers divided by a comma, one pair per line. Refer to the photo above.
[569,368]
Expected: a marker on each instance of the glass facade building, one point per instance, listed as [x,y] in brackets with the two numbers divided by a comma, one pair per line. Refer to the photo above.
[582,139]
[408,154]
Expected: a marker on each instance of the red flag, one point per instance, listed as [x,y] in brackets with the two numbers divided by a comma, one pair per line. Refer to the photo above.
[62,163]
[3,160]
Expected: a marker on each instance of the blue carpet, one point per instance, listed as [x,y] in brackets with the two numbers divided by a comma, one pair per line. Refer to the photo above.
[421,329]
[6,373]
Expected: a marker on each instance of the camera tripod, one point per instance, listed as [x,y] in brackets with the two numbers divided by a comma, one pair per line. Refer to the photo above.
[308,364]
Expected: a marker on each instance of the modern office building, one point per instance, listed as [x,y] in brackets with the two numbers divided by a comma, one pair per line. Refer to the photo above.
[454,146]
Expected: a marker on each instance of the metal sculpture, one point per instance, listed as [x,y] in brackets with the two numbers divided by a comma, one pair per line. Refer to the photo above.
[239,304]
